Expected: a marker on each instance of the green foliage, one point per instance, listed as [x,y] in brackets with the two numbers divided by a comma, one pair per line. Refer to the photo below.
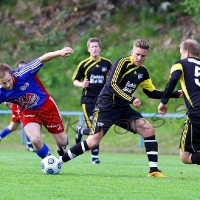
[191,7]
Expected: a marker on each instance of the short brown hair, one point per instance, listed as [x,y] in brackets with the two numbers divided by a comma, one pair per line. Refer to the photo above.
[143,44]
[21,62]
[3,69]
[192,46]
[93,40]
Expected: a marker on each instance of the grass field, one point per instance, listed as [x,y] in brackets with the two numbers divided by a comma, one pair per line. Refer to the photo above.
[119,176]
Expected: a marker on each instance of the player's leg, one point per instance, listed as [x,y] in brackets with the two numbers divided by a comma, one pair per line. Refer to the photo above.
[79,148]
[190,142]
[147,131]
[29,145]
[53,122]
[62,142]
[32,130]
[186,157]
[8,129]
[82,129]
[88,115]
[97,132]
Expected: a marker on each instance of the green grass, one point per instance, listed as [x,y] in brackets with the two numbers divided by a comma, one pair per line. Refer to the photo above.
[119,176]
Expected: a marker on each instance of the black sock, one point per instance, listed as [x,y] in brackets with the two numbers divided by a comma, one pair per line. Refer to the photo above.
[151,146]
[75,151]
[195,158]
[95,153]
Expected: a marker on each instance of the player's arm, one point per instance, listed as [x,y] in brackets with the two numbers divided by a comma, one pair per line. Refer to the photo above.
[65,52]
[79,75]
[150,90]
[7,104]
[171,84]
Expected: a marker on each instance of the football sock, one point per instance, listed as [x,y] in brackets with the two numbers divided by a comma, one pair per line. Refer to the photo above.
[28,142]
[75,151]
[43,152]
[95,153]
[4,132]
[196,158]
[151,146]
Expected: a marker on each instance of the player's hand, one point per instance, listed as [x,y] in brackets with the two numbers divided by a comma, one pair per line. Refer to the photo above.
[85,83]
[180,93]
[162,109]
[66,51]
[8,104]
[137,103]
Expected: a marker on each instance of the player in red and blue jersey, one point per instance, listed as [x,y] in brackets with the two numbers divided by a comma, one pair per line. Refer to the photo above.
[22,87]
[15,121]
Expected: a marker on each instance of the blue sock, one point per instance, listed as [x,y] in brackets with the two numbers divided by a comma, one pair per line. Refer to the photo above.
[4,132]
[43,152]
[28,142]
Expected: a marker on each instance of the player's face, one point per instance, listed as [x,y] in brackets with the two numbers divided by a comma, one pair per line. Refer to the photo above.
[7,81]
[94,50]
[184,53]
[139,55]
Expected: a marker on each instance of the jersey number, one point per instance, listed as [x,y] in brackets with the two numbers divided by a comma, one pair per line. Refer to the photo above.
[197,74]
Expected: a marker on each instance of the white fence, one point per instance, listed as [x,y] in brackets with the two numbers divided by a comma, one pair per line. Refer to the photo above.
[81,120]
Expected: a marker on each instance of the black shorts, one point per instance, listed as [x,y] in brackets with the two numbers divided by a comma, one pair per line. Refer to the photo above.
[120,116]
[88,113]
[190,138]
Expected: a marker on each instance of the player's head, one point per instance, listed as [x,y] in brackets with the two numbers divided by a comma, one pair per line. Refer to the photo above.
[6,77]
[189,48]
[140,51]
[21,63]
[94,47]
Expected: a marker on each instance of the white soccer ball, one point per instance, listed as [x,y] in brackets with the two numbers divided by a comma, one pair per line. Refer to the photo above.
[51,165]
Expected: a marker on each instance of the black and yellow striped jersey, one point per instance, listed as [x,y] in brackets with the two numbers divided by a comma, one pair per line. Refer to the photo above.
[96,71]
[123,80]
[187,71]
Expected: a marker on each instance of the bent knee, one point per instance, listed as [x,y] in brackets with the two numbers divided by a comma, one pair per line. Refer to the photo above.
[186,159]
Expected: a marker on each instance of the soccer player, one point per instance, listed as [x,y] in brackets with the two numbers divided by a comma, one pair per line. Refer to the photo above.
[113,106]
[22,87]
[187,72]
[90,75]
[15,121]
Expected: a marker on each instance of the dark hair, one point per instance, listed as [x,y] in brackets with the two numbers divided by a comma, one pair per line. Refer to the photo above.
[143,44]
[192,46]
[3,69]
[93,40]
[21,62]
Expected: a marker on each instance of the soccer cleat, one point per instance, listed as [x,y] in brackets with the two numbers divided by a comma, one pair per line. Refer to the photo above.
[60,158]
[96,162]
[78,134]
[31,149]
[61,150]
[156,174]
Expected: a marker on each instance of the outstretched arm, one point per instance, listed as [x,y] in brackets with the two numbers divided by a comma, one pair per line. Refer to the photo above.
[65,52]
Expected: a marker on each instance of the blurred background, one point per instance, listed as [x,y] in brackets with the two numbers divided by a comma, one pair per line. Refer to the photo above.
[30,29]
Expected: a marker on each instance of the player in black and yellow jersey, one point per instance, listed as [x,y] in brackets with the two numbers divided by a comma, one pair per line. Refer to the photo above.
[187,72]
[90,75]
[113,106]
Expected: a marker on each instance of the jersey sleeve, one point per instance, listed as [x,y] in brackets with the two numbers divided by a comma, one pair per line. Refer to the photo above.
[176,72]
[79,72]
[30,69]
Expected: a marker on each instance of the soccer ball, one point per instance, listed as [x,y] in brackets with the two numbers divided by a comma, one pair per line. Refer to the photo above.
[51,165]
